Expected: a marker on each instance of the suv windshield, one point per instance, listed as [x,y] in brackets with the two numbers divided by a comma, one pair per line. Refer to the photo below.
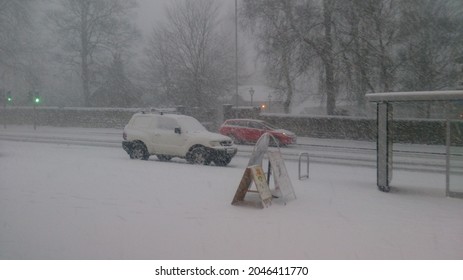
[191,125]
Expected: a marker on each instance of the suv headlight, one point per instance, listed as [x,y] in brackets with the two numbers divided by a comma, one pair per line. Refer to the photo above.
[214,143]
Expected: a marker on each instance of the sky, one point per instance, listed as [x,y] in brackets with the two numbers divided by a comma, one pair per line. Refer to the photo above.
[150,11]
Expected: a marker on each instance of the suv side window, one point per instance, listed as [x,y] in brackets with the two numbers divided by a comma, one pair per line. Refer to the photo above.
[167,124]
[142,122]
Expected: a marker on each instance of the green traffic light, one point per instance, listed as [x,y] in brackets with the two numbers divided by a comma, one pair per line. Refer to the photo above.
[37,100]
[9,98]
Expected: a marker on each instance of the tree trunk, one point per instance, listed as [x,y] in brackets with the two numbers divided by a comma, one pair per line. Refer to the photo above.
[85,75]
[327,57]
[383,59]
[85,80]
[289,86]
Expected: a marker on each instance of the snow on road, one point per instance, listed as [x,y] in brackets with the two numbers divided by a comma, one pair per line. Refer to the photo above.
[331,151]
[62,201]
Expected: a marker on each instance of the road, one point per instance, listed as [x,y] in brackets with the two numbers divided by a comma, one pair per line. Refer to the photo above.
[428,158]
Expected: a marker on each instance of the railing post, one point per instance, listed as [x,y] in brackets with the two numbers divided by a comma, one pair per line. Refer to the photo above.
[306,176]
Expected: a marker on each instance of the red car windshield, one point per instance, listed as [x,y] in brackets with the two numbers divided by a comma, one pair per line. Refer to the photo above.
[269,126]
[251,124]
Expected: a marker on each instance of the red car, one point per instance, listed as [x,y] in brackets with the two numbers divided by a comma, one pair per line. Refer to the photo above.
[250,130]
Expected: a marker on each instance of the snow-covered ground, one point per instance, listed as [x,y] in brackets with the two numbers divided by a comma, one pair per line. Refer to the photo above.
[65,201]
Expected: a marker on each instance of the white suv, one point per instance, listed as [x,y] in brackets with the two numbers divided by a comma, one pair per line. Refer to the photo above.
[169,135]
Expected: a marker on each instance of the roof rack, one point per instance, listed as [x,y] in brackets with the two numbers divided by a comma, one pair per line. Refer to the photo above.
[160,111]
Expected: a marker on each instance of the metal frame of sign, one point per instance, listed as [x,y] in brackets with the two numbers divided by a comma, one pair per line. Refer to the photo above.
[281,179]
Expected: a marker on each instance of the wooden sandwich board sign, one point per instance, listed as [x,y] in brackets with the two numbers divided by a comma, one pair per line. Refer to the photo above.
[283,185]
[254,174]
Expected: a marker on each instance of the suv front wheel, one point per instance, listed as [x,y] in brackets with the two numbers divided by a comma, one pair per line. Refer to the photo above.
[198,155]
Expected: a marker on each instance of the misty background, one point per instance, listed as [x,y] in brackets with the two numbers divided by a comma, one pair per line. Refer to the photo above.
[294,53]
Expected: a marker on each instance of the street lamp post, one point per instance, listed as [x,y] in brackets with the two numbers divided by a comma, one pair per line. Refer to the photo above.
[236,52]
[4,100]
[34,104]
[7,101]
[35,98]
[251,92]
[269,101]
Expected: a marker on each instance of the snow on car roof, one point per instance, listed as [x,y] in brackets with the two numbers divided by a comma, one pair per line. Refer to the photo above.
[173,116]
[256,120]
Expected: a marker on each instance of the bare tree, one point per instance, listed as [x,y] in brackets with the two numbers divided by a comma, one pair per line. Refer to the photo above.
[276,44]
[431,38]
[367,32]
[314,22]
[355,52]
[301,27]
[91,31]
[14,28]
[431,41]
[188,55]
[362,45]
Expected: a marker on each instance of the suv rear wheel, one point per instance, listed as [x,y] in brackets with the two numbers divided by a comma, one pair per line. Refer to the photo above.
[139,151]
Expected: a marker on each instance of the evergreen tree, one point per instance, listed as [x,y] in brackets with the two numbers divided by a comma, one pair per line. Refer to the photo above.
[117,90]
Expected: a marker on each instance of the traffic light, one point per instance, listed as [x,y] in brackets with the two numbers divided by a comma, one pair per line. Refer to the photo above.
[9,98]
[35,97]
[6,98]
